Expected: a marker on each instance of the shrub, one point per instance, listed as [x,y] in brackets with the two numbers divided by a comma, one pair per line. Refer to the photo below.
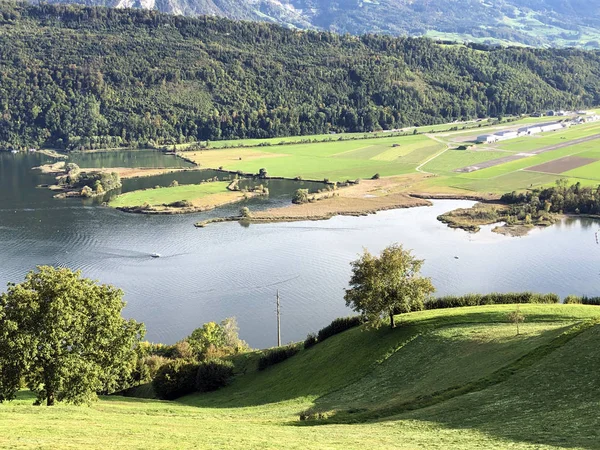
[181,204]
[495,298]
[339,325]
[375,177]
[183,350]
[174,183]
[86,191]
[276,355]
[310,341]
[147,368]
[175,379]
[573,300]
[213,374]
[300,196]
[245,212]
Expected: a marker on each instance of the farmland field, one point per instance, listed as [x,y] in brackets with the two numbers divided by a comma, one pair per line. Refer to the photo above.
[515,164]
[337,160]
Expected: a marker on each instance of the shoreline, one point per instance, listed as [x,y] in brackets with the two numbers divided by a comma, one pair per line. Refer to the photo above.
[362,199]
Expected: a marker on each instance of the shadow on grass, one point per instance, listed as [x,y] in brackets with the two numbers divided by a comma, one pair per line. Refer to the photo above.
[339,362]
[540,399]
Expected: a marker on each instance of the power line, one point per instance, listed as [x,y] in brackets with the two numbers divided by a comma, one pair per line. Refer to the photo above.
[278,320]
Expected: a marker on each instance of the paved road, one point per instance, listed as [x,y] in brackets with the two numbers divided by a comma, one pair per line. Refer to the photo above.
[515,157]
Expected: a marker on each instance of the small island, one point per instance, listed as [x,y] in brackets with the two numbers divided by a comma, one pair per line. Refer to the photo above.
[518,213]
[177,199]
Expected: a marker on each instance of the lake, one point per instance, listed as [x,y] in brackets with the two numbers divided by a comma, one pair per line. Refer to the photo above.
[228,270]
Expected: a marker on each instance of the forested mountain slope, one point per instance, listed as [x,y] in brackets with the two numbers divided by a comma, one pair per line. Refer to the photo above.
[531,22]
[74,76]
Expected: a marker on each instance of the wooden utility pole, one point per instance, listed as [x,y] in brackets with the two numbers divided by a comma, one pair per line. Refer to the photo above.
[278,321]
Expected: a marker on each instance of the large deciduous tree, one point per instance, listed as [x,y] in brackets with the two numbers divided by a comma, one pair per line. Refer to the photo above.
[65,337]
[385,285]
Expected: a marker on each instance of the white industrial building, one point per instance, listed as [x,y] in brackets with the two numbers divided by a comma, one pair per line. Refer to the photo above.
[504,135]
[487,138]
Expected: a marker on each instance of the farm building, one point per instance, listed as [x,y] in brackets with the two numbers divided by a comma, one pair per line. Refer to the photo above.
[487,138]
[528,131]
[551,127]
[503,135]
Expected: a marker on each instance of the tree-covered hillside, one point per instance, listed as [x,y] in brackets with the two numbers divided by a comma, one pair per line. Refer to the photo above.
[531,22]
[74,76]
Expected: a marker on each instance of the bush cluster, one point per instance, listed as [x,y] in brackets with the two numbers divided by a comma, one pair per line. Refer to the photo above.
[310,341]
[175,379]
[213,374]
[339,325]
[181,204]
[573,299]
[276,355]
[456,301]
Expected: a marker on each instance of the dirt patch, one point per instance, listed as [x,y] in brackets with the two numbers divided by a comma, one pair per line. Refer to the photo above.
[221,157]
[127,172]
[561,165]
[490,163]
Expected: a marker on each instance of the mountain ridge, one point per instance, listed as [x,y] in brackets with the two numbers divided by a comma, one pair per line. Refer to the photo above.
[540,23]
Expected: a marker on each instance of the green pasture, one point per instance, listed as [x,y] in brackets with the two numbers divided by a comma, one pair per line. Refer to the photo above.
[457,378]
[337,161]
[166,195]
[589,172]
[457,159]
[509,182]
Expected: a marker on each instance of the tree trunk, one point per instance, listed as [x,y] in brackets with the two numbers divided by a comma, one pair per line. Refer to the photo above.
[392,323]
[50,398]
[49,388]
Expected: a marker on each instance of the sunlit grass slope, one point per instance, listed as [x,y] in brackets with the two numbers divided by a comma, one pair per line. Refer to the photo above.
[457,378]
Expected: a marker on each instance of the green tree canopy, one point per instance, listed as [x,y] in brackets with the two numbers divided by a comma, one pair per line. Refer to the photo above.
[389,284]
[220,339]
[65,337]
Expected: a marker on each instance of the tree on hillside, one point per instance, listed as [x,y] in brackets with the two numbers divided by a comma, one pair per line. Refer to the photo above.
[388,284]
[516,317]
[65,337]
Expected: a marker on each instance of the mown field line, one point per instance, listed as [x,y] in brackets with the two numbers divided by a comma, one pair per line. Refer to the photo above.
[448,146]
[497,377]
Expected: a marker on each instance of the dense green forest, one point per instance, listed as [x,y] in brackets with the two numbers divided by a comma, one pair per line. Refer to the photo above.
[79,77]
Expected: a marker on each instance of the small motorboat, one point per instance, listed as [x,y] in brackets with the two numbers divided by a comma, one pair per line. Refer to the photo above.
[155,255]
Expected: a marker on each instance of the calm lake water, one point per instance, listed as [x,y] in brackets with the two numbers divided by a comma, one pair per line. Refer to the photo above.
[229,270]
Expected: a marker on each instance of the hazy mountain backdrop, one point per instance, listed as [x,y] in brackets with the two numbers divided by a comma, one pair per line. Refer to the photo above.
[530,22]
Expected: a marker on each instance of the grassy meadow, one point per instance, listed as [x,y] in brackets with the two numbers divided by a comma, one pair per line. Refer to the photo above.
[336,160]
[165,195]
[432,154]
[454,378]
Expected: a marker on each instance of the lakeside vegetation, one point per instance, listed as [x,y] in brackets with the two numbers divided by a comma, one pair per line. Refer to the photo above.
[522,211]
[108,78]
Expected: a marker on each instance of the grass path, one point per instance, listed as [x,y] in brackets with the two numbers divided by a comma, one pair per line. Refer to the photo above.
[419,168]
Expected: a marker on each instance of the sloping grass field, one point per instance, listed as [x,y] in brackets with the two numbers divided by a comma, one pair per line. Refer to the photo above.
[456,378]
